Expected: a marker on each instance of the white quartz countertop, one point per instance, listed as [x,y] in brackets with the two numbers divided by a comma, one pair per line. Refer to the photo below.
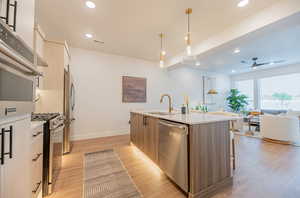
[191,118]
[35,124]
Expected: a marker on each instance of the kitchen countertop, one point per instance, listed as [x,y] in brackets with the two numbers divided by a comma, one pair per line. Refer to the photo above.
[191,118]
[35,124]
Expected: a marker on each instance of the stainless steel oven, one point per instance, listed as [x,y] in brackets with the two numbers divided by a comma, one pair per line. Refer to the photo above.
[53,148]
[17,72]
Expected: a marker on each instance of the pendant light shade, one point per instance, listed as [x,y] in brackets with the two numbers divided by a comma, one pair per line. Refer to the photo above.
[212,92]
[188,12]
[162,51]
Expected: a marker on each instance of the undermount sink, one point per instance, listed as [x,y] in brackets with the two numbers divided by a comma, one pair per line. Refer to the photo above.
[162,113]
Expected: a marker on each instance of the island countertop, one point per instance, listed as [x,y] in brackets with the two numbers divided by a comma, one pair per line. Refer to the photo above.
[191,119]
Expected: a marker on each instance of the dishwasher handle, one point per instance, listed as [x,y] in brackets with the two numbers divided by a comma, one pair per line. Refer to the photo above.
[182,127]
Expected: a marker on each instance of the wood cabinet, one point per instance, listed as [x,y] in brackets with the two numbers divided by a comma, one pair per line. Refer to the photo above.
[210,168]
[151,138]
[137,130]
[16,168]
[208,149]
[144,134]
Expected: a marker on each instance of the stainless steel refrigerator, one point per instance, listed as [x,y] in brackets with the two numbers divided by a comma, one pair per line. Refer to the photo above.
[69,107]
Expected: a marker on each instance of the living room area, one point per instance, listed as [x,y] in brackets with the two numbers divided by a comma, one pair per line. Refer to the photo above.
[264,71]
[271,108]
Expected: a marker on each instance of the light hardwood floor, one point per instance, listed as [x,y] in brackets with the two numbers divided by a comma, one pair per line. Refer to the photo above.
[264,170]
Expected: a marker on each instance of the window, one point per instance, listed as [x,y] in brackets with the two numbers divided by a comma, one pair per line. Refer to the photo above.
[281,92]
[247,87]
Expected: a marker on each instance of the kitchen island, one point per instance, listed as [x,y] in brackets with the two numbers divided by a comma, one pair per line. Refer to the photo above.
[207,162]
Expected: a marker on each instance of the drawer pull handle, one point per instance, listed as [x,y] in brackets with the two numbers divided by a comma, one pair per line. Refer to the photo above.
[3,153]
[37,134]
[37,157]
[37,187]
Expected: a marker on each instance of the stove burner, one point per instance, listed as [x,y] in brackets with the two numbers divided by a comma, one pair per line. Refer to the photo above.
[43,116]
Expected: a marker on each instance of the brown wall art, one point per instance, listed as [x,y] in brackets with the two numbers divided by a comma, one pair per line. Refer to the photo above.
[134,89]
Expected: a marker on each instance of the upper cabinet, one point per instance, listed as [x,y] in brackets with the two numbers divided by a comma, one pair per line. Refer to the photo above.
[40,41]
[67,56]
[25,20]
[19,15]
[39,46]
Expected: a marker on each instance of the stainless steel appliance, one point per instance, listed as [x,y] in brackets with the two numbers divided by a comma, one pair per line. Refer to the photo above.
[17,73]
[69,106]
[52,148]
[173,152]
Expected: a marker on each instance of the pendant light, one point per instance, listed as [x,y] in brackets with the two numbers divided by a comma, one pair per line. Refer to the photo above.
[162,51]
[188,12]
[212,91]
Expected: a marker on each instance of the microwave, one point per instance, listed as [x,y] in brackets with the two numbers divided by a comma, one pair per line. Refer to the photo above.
[17,74]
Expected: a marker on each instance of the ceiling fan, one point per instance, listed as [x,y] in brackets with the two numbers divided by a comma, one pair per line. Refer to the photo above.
[255,64]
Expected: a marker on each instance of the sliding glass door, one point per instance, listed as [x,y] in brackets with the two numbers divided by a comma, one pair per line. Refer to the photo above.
[272,93]
[280,92]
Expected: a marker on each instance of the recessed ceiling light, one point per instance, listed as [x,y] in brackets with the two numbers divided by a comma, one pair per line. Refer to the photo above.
[197,63]
[272,63]
[236,51]
[88,35]
[243,3]
[233,71]
[90,4]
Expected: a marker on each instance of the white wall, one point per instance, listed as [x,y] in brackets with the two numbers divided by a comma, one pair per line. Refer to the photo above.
[98,81]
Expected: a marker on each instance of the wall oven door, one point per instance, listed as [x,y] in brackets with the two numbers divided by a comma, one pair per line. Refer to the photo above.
[16,93]
[17,72]
[17,89]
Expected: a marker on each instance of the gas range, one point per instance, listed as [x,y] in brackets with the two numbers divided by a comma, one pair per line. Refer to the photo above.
[55,119]
[43,116]
[53,147]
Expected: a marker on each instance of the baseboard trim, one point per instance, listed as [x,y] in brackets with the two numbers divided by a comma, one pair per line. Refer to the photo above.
[214,189]
[92,135]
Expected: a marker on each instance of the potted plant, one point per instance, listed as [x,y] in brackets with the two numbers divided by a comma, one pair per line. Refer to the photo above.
[237,101]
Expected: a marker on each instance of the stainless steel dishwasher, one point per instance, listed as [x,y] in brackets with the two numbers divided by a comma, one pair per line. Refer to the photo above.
[173,152]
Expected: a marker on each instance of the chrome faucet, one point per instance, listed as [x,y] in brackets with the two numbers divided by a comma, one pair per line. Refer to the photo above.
[170,101]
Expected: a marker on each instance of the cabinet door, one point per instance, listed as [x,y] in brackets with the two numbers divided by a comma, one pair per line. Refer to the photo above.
[151,138]
[39,41]
[137,130]
[15,172]
[25,20]
[133,128]
[66,58]
[140,131]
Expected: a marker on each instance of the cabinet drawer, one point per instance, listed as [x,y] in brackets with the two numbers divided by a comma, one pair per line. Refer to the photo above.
[37,132]
[36,160]
[37,147]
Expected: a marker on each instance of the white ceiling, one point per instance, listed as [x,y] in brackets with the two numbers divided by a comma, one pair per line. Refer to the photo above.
[131,28]
[278,41]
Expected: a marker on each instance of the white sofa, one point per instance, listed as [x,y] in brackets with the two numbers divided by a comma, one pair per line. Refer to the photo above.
[281,128]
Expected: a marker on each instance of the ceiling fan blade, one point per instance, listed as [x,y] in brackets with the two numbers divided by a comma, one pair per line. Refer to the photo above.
[261,64]
[279,61]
